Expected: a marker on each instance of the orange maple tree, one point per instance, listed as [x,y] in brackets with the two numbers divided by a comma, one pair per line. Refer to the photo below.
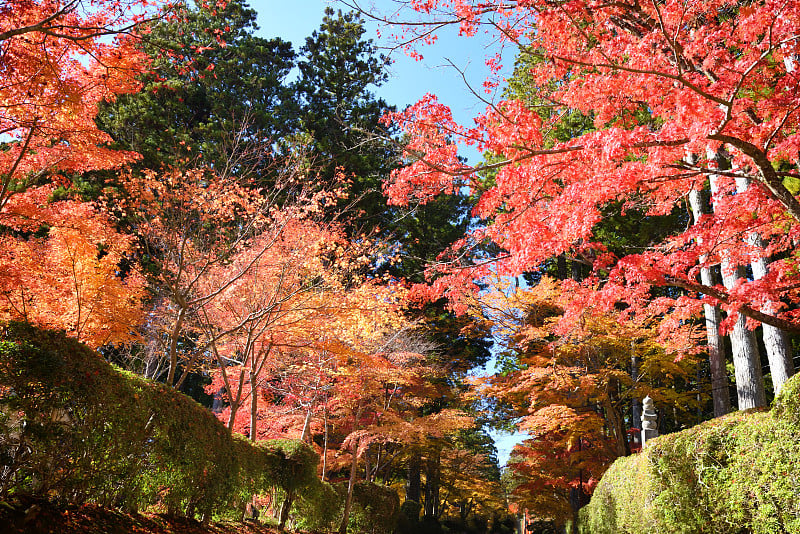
[271,310]
[59,61]
[63,265]
[376,396]
[571,389]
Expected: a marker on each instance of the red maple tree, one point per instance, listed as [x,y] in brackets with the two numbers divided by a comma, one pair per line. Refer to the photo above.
[682,96]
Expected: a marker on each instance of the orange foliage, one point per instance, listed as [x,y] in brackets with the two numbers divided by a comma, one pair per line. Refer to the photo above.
[57,65]
[71,278]
[571,389]
[61,264]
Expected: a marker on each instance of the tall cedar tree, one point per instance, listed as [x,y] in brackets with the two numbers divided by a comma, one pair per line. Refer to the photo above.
[342,117]
[212,84]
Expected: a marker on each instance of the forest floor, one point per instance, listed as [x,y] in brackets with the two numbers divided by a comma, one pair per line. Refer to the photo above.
[38,517]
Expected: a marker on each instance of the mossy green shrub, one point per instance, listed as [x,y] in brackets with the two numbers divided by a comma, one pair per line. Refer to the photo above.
[737,473]
[194,467]
[72,427]
[294,464]
[375,508]
[271,467]
[293,471]
[257,465]
[319,508]
[75,429]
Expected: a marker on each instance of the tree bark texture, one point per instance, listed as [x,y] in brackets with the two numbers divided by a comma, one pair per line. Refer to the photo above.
[746,359]
[776,342]
[432,484]
[720,394]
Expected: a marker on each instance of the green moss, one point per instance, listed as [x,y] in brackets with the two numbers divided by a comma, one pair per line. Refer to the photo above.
[734,474]
[93,433]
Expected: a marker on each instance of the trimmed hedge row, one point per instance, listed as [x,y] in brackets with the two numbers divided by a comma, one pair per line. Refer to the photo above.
[737,473]
[375,508]
[74,429]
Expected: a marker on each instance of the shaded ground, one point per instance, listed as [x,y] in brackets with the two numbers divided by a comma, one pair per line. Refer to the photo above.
[37,517]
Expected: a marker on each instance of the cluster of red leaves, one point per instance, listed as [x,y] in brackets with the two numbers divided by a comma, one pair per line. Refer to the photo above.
[706,75]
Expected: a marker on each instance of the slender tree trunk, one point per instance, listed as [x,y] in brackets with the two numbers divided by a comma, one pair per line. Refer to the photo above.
[348,501]
[746,359]
[776,342]
[414,478]
[173,347]
[746,363]
[720,394]
[232,415]
[286,507]
[325,441]
[615,423]
[236,403]
[636,409]
[573,528]
[253,406]
[306,426]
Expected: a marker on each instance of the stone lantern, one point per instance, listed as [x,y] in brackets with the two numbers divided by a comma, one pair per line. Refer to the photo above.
[649,427]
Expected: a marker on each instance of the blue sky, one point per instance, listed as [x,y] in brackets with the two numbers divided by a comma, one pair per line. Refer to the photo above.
[410,79]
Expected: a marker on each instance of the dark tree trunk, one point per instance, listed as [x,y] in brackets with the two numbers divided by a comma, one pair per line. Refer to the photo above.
[414,479]
[432,485]
[561,267]
[286,507]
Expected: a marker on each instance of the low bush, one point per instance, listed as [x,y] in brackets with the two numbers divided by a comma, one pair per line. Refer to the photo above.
[375,508]
[319,508]
[733,474]
[74,429]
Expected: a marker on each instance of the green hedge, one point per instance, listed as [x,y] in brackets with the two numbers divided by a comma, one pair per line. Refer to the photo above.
[74,429]
[737,473]
[375,508]
[319,508]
